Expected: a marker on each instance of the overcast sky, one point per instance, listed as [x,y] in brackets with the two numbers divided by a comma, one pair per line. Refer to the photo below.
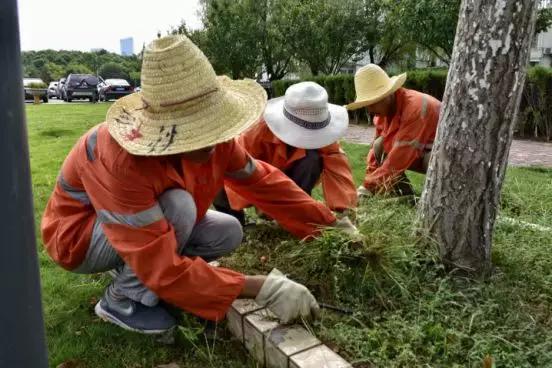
[84,25]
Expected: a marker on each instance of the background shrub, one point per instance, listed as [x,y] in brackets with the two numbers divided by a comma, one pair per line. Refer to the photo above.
[534,119]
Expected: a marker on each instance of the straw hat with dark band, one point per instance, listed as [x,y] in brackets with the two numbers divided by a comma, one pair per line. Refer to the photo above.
[372,84]
[183,105]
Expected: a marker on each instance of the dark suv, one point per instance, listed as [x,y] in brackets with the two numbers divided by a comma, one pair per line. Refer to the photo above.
[81,86]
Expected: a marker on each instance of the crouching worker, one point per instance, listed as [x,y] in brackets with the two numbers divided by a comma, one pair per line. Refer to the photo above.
[134,192]
[299,135]
[406,122]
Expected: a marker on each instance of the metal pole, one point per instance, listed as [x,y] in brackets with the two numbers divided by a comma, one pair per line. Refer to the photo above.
[21,325]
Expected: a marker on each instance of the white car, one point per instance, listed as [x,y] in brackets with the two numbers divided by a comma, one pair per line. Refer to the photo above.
[52,89]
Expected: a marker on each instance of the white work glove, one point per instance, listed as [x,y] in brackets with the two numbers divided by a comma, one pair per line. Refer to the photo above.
[363,192]
[287,299]
[344,224]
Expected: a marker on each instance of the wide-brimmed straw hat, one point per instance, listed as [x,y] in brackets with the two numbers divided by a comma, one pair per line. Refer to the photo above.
[372,84]
[303,118]
[183,106]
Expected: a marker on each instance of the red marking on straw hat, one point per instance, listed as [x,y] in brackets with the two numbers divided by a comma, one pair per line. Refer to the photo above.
[134,134]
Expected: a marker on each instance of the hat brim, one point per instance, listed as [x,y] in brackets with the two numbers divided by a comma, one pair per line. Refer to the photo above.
[396,83]
[297,136]
[190,126]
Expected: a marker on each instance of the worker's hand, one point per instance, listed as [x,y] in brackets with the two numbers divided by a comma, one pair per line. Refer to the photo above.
[362,192]
[287,299]
[344,224]
[351,213]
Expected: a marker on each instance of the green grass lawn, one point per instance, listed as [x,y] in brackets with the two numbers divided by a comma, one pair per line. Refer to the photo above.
[406,310]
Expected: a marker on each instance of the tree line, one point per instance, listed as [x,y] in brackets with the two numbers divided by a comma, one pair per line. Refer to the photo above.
[51,65]
[244,38]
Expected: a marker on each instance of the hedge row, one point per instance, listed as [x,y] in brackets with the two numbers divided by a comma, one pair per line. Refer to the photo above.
[535,118]
[535,115]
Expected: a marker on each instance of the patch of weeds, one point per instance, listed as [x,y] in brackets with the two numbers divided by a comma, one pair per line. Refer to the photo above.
[406,310]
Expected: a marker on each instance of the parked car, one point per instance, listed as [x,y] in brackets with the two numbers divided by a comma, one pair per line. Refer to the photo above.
[81,86]
[52,89]
[35,87]
[61,89]
[114,88]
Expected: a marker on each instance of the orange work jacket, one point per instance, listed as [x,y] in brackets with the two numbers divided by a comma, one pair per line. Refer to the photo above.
[406,136]
[99,180]
[337,180]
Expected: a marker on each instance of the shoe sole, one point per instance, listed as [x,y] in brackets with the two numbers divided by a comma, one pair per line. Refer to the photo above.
[108,317]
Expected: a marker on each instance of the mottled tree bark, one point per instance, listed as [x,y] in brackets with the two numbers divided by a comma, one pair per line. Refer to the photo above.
[462,191]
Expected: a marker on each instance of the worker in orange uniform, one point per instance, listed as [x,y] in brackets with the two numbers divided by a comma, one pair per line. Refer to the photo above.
[134,192]
[299,135]
[406,122]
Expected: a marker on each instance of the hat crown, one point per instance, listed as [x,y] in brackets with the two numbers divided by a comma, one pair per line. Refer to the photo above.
[371,80]
[308,101]
[170,63]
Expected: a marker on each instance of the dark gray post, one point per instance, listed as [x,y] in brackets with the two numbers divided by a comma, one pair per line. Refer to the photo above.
[21,325]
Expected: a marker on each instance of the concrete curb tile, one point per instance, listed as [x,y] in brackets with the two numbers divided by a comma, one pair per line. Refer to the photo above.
[285,341]
[240,308]
[318,357]
[255,325]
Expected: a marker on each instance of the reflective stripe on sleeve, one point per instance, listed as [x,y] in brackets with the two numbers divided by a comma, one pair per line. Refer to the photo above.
[424,106]
[75,193]
[91,145]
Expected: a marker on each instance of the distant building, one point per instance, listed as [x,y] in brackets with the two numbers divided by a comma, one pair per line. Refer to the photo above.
[351,67]
[541,51]
[96,49]
[127,46]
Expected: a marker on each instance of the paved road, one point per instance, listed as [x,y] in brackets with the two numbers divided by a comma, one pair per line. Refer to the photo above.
[55,101]
[522,152]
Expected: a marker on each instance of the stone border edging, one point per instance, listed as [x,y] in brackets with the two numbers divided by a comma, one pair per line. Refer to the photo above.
[275,345]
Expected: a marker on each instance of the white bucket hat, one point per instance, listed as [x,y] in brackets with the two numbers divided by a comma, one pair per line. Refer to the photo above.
[303,118]
[183,105]
[372,84]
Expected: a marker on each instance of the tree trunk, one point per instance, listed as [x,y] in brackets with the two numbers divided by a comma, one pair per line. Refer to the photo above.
[371,53]
[314,70]
[461,196]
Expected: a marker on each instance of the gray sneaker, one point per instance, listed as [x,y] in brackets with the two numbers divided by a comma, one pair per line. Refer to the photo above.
[134,316]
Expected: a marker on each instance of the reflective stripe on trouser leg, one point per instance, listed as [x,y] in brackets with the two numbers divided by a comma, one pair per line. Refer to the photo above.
[179,209]
[215,235]
[100,256]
